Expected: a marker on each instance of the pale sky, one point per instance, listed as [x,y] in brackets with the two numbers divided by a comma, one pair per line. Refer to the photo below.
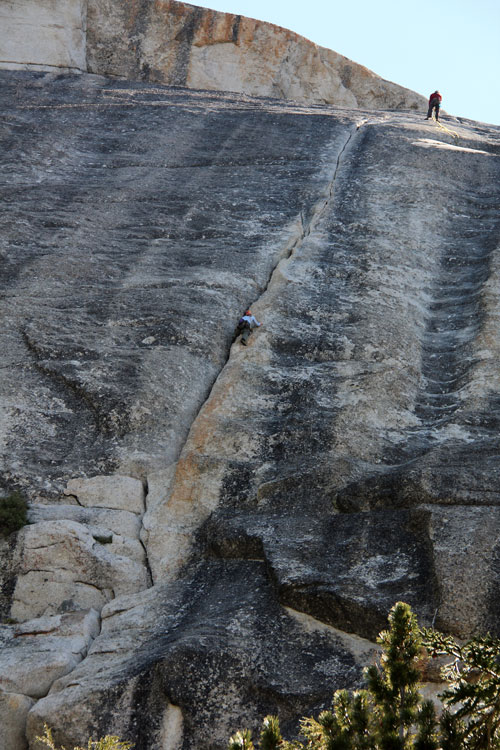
[450,45]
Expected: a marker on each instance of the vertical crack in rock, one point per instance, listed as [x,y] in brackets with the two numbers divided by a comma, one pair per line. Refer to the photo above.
[305,228]
[322,208]
[319,209]
[194,489]
[144,532]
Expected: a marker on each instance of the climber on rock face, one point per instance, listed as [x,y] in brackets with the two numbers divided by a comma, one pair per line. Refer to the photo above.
[245,325]
[434,103]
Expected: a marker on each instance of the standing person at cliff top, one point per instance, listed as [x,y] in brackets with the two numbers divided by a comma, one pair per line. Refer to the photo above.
[245,325]
[434,103]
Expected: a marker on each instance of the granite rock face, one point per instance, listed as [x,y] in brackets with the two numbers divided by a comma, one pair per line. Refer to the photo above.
[72,558]
[67,566]
[14,709]
[294,489]
[135,230]
[186,45]
[224,652]
[120,493]
[43,35]
[32,656]
[37,652]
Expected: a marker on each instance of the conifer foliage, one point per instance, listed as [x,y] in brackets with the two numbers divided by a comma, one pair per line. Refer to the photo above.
[473,692]
[109,742]
[390,714]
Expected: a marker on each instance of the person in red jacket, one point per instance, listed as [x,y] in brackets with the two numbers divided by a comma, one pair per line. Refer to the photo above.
[434,103]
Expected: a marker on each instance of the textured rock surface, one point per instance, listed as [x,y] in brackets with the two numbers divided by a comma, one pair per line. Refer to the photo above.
[43,34]
[176,209]
[346,458]
[14,709]
[32,656]
[36,653]
[346,570]
[186,45]
[120,493]
[466,544]
[67,566]
[224,652]
[119,522]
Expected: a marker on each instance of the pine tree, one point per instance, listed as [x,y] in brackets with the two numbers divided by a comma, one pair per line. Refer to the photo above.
[109,742]
[473,677]
[270,736]
[242,740]
[426,738]
[346,727]
[388,715]
[452,732]
[394,684]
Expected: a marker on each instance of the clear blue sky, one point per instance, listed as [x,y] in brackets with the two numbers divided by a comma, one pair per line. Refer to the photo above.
[450,45]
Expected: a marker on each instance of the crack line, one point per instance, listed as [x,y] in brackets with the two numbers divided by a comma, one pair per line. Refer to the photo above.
[289,250]
[319,210]
[184,513]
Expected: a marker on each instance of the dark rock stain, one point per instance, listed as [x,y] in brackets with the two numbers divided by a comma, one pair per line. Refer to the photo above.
[236,29]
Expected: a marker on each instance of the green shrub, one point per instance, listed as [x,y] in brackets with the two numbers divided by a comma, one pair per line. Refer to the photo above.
[472,696]
[108,742]
[390,713]
[13,513]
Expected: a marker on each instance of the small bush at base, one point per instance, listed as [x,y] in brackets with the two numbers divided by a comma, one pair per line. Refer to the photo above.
[108,742]
[13,513]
